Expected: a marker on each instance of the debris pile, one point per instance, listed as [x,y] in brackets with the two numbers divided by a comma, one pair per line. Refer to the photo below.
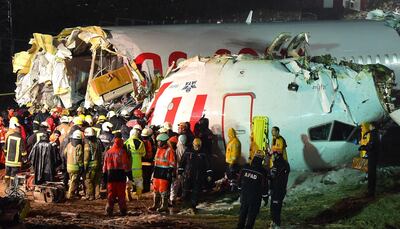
[79,64]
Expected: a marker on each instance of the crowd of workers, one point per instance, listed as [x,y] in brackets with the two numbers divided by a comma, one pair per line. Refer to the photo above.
[94,151]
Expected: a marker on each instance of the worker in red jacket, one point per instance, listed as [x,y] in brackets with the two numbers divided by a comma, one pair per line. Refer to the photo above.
[116,168]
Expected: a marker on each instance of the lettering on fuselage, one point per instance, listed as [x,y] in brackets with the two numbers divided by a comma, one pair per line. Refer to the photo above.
[319,87]
[189,85]
[176,55]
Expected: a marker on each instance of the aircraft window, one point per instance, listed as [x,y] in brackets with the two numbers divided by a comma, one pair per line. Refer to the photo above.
[378,59]
[387,61]
[369,60]
[341,131]
[394,59]
[355,135]
[360,60]
[321,132]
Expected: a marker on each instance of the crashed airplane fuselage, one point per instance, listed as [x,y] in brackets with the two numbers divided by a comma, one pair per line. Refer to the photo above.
[157,47]
[317,108]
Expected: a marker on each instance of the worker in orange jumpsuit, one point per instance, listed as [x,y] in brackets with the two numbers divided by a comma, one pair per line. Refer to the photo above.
[164,163]
[116,168]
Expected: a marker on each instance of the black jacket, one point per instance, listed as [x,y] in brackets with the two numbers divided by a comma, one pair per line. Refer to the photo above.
[194,166]
[44,159]
[253,180]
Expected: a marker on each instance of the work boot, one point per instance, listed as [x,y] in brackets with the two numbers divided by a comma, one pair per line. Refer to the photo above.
[164,204]
[123,212]
[156,201]
[109,211]
[128,194]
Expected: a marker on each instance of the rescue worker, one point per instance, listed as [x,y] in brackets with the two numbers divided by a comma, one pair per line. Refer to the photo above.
[116,170]
[40,117]
[195,170]
[232,156]
[74,154]
[53,119]
[365,137]
[177,183]
[106,137]
[97,127]
[92,162]
[35,137]
[63,127]
[279,175]
[203,132]
[164,162]
[253,185]
[3,132]
[371,148]
[184,129]
[148,159]
[135,147]
[116,122]
[44,159]
[125,130]
[15,153]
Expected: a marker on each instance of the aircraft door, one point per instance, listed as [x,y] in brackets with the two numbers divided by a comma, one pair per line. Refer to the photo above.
[237,112]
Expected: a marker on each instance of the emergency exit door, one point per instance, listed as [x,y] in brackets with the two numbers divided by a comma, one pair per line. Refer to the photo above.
[237,113]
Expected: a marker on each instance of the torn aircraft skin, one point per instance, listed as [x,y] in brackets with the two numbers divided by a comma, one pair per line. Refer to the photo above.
[317,102]
[59,70]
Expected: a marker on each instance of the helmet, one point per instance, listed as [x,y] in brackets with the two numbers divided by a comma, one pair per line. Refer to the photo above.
[111,114]
[167,125]
[125,113]
[80,109]
[260,154]
[101,118]
[182,139]
[162,137]
[78,120]
[89,132]
[107,126]
[197,142]
[44,124]
[147,132]
[14,122]
[64,119]
[89,119]
[134,132]
[138,113]
[77,134]
[162,130]
[82,116]
[137,126]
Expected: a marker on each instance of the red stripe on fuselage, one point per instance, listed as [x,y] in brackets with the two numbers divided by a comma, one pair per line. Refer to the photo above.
[159,93]
[198,109]
[172,109]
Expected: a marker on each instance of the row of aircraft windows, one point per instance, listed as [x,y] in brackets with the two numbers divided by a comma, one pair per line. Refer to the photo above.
[385,59]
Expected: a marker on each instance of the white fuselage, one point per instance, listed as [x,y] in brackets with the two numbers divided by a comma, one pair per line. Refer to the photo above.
[364,42]
[235,91]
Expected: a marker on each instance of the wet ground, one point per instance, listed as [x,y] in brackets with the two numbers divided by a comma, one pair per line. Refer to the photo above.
[333,199]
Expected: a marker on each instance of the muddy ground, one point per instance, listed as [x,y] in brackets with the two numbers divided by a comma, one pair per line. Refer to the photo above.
[333,199]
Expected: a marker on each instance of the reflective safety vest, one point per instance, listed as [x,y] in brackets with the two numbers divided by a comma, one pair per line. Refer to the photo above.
[278,146]
[15,150]
[165,158]
[137,150]
[74,156]
[92,156]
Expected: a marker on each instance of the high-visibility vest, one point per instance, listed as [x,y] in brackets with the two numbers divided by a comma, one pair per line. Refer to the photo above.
[165,158]
[15,150]
[92,156]
[278,146]
[136,154]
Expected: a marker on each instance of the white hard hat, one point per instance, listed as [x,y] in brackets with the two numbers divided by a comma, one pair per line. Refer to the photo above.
[64,119]
[106,126]
[137,126]
[147,132]
[134,132]
[89,119]
[124,113]
[89,132]
[14,123]
[163,130]
[167,125]
[111,114]
[45,124]
[77,134]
